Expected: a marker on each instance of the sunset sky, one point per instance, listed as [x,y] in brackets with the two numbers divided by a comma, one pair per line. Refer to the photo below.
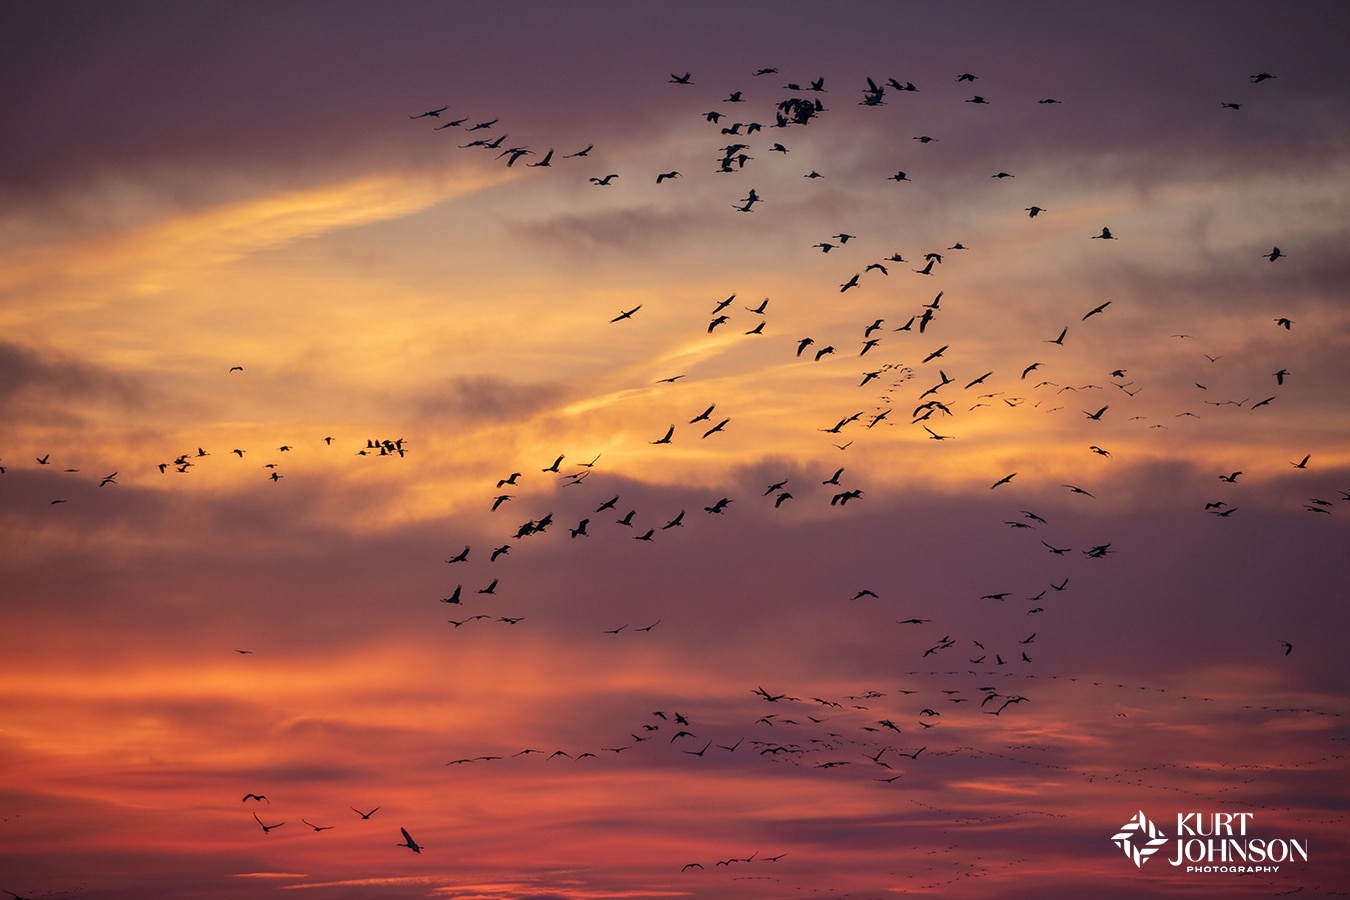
[344,463]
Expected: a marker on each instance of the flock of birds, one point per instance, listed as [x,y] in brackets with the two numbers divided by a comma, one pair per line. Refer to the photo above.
[865,732]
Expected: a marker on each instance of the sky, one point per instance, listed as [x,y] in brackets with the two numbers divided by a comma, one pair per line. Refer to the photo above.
[939,493]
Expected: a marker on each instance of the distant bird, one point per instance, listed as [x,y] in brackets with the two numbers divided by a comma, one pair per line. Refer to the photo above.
[1274,254]
[557,462]
[1095,310]
[365,815]
[665,439]
[665,175]
[716,428]
[1303,463]
[1284,322]
[248,797]
[1233,106]
[626,314]
[434,113]
[587,150]
[680,79]
[1034,211]
[317,827]
[267,829]
[1004,480]
[604,182]
[409,842]
[1106,235]
[1288,647]
[1257,79]
[1058,340]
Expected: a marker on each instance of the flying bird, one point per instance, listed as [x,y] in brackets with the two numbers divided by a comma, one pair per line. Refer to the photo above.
[409,842]
[267,829]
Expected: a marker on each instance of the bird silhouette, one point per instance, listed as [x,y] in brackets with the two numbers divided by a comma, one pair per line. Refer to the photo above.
[267,829]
